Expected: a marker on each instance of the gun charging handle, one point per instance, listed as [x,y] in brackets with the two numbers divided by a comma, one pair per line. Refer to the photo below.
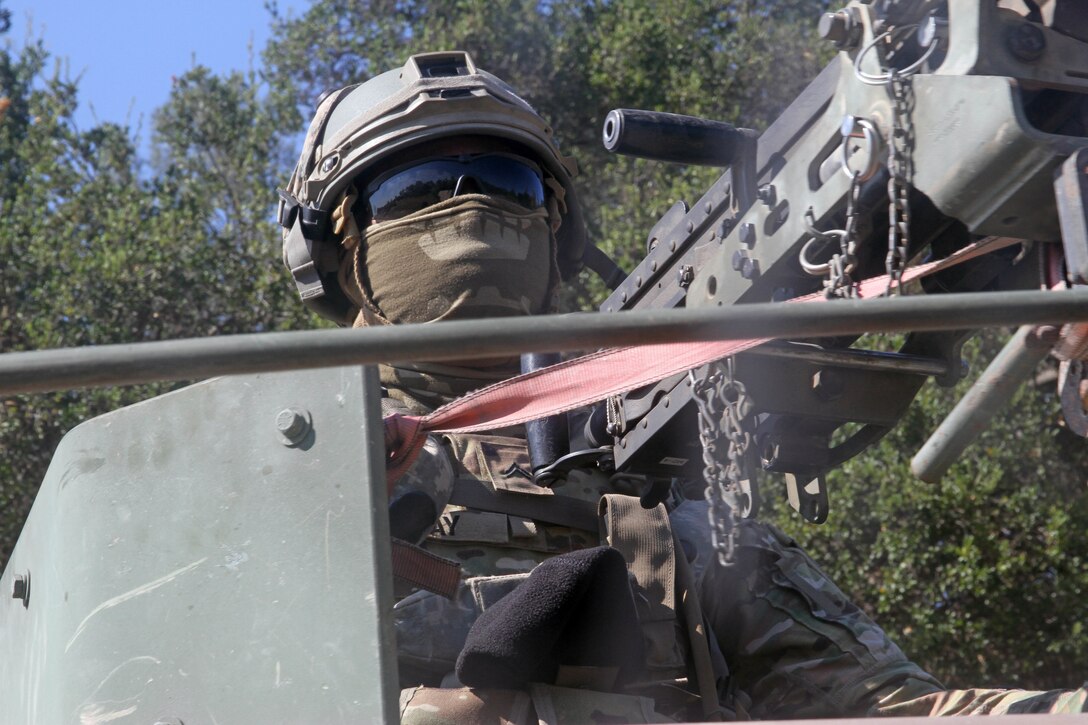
[675,138]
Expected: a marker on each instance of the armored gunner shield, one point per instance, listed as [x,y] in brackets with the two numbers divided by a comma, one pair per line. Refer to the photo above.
[217,554]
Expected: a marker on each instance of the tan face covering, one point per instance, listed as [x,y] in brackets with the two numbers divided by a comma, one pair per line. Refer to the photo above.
[471,256]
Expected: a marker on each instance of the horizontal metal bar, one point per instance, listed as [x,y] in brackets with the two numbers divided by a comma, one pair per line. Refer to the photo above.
[851,358]
[24,372]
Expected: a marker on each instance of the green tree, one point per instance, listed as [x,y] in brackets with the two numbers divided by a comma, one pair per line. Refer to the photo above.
[98,251]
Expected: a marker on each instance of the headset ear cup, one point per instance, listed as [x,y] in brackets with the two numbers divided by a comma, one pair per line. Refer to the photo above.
[309,263]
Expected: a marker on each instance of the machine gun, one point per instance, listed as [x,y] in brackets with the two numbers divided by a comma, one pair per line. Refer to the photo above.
[938,124]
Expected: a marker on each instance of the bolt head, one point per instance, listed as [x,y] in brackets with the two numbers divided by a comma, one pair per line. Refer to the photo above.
[20,588]
[750,268]
[1026,41]
[738,260]
[839,28]
[748,234]
[768,194]
[828,385]
[293,425]
[832,26]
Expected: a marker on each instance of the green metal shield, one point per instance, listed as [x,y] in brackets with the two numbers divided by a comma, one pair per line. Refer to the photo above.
[218,554]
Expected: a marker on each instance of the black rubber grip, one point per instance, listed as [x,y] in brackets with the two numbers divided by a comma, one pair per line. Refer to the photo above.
[674,138]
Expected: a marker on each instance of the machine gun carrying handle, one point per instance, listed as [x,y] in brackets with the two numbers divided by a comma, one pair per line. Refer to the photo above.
[675,138]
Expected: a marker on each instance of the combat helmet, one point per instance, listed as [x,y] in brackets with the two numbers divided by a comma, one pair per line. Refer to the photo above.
[434,95]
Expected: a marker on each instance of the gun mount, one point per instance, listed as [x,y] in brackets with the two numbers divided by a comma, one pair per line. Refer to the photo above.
[938,124]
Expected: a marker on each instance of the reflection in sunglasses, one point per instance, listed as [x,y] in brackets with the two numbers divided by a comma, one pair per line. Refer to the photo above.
[414,187]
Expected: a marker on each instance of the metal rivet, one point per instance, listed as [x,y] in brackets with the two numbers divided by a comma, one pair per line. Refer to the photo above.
[293,425]
[329,164]
[672,246]
[690,227]
[708,207]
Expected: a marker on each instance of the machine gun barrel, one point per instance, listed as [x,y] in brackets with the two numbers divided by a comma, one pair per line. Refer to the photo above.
[675,138]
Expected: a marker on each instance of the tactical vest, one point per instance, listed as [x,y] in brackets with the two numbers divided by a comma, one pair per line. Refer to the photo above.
[496,526]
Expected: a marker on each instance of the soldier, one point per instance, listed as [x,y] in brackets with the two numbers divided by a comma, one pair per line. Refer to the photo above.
[433,192]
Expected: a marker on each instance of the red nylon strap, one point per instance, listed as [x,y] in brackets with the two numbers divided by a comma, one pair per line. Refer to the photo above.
[581,381]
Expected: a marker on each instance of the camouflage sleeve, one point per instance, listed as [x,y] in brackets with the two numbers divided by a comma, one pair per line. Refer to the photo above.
[984,702]
[795,645]
[798,648]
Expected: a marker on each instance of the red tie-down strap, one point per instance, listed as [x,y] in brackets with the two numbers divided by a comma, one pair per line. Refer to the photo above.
[578,382]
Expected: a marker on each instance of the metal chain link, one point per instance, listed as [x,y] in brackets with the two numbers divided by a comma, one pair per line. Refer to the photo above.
[725,416]
[840,268]
[840,281]
[900,172]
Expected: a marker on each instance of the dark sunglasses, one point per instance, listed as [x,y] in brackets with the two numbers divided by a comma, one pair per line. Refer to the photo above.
[408,189]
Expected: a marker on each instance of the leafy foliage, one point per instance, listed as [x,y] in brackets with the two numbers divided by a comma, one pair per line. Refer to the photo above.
[981,579]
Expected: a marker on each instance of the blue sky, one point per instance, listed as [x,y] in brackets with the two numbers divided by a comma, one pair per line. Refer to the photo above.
[127,51]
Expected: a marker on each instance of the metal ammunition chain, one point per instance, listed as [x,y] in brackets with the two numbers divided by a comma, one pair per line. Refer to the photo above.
[725,417]
[900,173]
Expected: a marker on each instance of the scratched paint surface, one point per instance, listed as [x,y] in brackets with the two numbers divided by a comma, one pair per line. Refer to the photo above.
[187,564]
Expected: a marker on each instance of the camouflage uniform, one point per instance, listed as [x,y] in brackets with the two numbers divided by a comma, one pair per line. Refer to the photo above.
[795,645]
[798,648]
